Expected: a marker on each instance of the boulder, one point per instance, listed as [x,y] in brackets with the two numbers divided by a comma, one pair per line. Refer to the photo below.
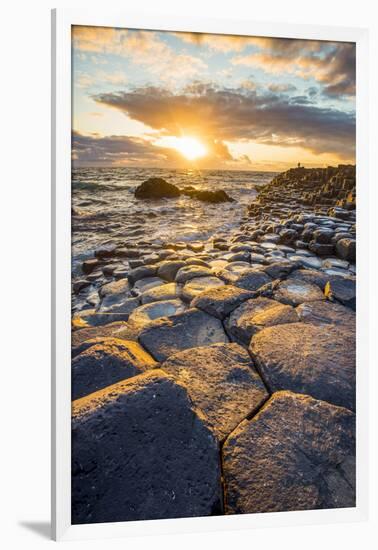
[343,290]
[115,288]
[220,301]
[156,188]
[167,270]
[79,285]
[141,273]
[117,329]
[280,268]
[255,314]
[295,292]
[346,249]
[325,313]
[141,452]
[196,286]
[113,308]
[169,291]
[222,383]
[249,279]
[191,329]
[104,364]
[311,262]
[89,265]
[297,453]
[189,272]
[208,196]
[308,359]
[143,315]
[310,276]
[147,283]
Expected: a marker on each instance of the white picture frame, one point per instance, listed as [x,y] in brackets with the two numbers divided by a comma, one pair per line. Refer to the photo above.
[62,20]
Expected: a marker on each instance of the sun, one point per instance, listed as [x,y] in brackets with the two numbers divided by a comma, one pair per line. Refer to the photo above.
[191,148]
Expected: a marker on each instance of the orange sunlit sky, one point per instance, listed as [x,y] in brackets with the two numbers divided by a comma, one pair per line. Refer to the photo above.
[177,100]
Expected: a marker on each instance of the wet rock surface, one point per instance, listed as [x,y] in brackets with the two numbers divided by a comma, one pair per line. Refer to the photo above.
[297,453]
[219,302]
[196,286]
[140,451]
[103,364]
[320,313]
[295,292]
[191,329]
[222,383]
[308,359]
[255,314]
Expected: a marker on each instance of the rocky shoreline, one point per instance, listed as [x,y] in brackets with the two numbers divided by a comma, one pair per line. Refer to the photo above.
[218,376]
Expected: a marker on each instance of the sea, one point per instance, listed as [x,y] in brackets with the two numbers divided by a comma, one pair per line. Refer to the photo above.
[105,211]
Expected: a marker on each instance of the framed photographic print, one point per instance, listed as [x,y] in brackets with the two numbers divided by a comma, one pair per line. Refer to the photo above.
[209,243]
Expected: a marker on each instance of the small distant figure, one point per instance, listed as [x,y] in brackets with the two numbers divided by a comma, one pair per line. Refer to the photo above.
[299,164]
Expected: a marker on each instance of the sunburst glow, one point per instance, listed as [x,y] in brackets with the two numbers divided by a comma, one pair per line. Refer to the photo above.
[191,148]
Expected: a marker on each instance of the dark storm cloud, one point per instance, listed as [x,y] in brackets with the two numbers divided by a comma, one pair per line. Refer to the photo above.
[236,114]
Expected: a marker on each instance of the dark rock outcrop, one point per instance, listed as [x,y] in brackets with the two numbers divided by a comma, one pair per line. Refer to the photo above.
[297,453]
[208,196]
[140,452]
[156,188]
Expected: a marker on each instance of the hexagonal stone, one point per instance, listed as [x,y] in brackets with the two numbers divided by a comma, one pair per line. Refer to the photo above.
[116,307]
[190,329]
[188,272]
[167,270]
[255,314]
[140,452]
[312,262]
[295,292]
[119,329]
[219,302]
[280,268]
[297,453]
[222,383]
[104,364]
[169,291]
[342,289]
[196,286]
[346,249]
[143,315]
[141,273]
[115,288]
[308,359]
[310,276]
[325,313]
[249,279]
[105,315]
[147,283]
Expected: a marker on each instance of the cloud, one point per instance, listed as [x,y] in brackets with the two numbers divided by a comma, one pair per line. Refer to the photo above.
[331,64]
[225,114]
[282,88]
[143,48]
[96,150]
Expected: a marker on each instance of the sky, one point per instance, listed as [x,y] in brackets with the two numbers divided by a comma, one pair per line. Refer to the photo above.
[190,100]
